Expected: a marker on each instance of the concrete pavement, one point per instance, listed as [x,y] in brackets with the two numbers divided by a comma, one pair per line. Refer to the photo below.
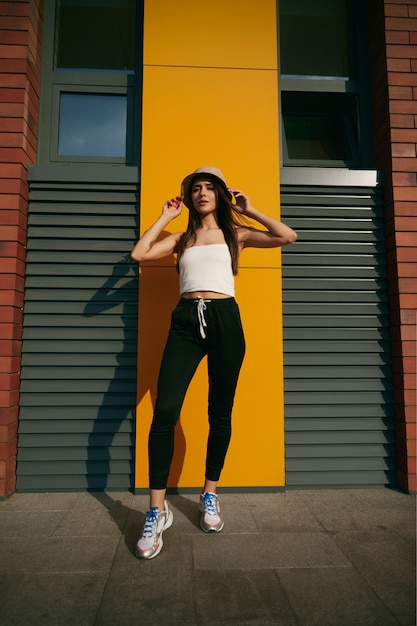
[326,557]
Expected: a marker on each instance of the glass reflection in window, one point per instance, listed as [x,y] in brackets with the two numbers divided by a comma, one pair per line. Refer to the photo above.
[320,137]
[92,125]
[320,126]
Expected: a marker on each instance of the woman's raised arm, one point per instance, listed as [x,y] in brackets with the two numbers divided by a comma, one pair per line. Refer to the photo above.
[277,234]
[148,248]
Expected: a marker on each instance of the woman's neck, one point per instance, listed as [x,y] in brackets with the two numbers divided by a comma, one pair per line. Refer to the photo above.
[209,222]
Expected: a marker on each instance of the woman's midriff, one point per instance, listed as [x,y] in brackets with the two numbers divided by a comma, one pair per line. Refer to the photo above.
[207,295]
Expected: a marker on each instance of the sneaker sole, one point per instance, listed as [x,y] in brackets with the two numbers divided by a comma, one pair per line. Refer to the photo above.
[167,525]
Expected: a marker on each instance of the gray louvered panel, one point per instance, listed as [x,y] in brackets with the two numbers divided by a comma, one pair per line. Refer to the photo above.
[327,234]
[75,269]
[320,247]
[343,463]
[340,478]
[348,451]
[338,398]
[87,257]
[116,221]
[332,258]
[79,234]
[74,454]
[33,321]
[71,413]
[89,334]
[339,413]
[78,372]
[84,387]
[338,333]
[112,360]
[54,246]
[338,284]
[54,191]
[79,347]
[72,294]
[106,195]
[314,322]
[35,427]
[337,308]
[343,383]
[336,197]
[328,372]
[74,482]
[333,439]
[327,346]
[337,296]
[55,307]
[343,359]
[77,282]
[55,209]
[352,272]
[80,335]
[75,440]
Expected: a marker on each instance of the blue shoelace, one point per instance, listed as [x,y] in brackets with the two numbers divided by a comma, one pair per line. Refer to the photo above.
[151,521]
[210,503]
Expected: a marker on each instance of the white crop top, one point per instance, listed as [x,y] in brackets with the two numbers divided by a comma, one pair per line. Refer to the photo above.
[207,268]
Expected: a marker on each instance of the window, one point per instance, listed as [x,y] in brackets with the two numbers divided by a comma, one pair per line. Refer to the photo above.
[320,127]
[92,125]
[317,38]
[95,35]
[323,86]
[90,84]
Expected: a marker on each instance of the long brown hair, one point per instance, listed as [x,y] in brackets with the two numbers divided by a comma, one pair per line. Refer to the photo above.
[227,218]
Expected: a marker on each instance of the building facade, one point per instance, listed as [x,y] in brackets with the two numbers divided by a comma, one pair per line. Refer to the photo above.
[103,106]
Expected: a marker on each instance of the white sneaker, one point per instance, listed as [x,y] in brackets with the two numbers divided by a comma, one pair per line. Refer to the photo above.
[211,519]
[150,544]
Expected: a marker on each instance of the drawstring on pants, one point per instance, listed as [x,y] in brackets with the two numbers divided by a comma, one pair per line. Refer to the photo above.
[201,307]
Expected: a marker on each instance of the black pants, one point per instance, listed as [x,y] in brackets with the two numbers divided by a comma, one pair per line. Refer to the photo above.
[223,342]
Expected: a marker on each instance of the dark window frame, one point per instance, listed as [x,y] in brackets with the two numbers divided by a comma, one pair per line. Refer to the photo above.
[57,81]
[363,152]
[57,91]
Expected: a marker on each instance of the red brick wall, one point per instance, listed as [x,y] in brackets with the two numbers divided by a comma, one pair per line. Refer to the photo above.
[20,45]
[393,27]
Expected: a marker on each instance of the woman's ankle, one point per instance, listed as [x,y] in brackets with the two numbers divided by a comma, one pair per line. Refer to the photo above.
[210,486]
[157,499]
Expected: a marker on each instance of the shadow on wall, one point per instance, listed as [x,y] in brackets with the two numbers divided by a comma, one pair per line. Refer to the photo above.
[115,415]
[111,443]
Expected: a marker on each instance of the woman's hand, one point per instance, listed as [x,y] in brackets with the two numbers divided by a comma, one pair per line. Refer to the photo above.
[243,204]
[150,246]
[172,208]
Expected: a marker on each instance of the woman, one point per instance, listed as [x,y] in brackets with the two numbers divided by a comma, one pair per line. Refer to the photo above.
[206,321]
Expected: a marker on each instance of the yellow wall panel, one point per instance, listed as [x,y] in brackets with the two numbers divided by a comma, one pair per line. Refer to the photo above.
[219,33]
[255,456]
[227,118]
[204,103]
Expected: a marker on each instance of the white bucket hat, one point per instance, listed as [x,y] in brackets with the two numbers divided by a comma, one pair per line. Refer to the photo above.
[212,172]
